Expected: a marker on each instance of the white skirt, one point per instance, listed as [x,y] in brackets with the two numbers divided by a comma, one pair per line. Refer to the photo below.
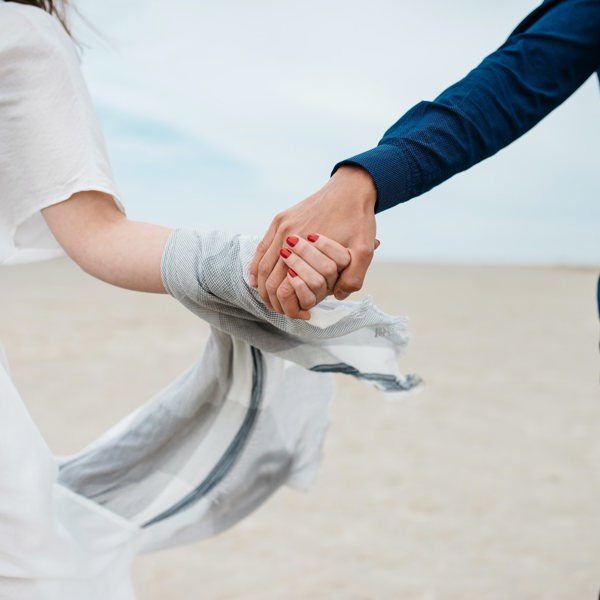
[247,418]
[54,544]
[69,529]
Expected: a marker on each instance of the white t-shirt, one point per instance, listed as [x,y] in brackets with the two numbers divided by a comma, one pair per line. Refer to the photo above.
[51,145]
[54,544]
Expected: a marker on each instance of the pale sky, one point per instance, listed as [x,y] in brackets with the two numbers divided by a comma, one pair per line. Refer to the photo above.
[219,115]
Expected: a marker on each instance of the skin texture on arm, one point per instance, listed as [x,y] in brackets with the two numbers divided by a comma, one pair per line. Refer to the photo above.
[104,243]
[343,210]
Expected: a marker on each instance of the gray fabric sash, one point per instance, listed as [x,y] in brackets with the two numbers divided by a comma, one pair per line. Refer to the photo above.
[249,416]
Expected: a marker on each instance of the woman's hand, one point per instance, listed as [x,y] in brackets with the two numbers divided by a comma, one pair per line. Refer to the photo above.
[313,267]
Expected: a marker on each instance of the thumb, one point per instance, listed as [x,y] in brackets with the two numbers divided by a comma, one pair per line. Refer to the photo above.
[352,277]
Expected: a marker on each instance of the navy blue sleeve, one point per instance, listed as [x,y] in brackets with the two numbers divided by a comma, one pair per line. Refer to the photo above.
[598,296]
[548,56]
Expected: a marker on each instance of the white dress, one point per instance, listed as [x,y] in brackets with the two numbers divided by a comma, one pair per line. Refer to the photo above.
[50,148]
[51,145]
[247,418]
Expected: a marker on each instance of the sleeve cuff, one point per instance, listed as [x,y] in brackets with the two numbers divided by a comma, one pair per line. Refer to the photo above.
[389,166]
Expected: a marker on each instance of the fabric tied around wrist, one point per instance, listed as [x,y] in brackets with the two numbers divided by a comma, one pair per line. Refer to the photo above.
[248,417]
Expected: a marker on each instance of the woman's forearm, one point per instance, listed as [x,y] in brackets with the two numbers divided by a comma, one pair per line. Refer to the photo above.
[107,245]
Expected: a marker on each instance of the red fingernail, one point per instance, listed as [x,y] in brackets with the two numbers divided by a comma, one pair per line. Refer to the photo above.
[285,252]
[312,237]
[292,273]
[291,240]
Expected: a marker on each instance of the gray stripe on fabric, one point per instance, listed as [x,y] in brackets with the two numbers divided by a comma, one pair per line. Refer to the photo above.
[206,273]
[229,458]
[388,383]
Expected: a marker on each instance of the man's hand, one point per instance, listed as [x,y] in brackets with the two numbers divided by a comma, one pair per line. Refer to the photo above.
[343,210]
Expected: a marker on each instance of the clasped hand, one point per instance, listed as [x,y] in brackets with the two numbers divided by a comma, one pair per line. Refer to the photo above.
[321,246]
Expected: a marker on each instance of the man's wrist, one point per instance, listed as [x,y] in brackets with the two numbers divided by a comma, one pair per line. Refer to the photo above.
[359,183]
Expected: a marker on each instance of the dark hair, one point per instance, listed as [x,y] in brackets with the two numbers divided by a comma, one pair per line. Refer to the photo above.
[58,8]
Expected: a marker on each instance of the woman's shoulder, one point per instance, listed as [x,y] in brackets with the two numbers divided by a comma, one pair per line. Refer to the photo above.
[26,28]
[35,51]
[24,17]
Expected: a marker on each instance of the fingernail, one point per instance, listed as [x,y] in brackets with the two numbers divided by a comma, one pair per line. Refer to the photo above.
[341,295]
[312,237]
[285,253]
[252,280]
[292,273]
[291,240]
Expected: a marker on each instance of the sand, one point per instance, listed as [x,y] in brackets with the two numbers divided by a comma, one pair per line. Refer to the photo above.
[485,485]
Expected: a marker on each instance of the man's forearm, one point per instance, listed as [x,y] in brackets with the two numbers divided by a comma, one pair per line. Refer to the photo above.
[107,245]
[541,64]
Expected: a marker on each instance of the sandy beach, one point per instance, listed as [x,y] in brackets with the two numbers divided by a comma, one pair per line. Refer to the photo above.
[484,485]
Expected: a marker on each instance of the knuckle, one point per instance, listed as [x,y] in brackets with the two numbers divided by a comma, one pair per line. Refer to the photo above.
[308,304]
[363,251]
[352,284]
[318,285]
[262,246]
[271,287]
[330,271]
[282,224]
[264,270]
[285,293]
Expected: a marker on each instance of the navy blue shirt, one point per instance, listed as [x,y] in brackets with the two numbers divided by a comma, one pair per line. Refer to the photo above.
[551,53]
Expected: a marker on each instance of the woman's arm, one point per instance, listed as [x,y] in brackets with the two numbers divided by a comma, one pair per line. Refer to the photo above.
[107,245]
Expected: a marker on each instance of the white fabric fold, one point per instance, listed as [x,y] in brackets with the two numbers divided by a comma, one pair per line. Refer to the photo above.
[207,273]
[248,417]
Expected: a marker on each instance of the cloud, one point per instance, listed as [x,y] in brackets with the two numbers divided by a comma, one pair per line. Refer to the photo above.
[168,175]
[244,107]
